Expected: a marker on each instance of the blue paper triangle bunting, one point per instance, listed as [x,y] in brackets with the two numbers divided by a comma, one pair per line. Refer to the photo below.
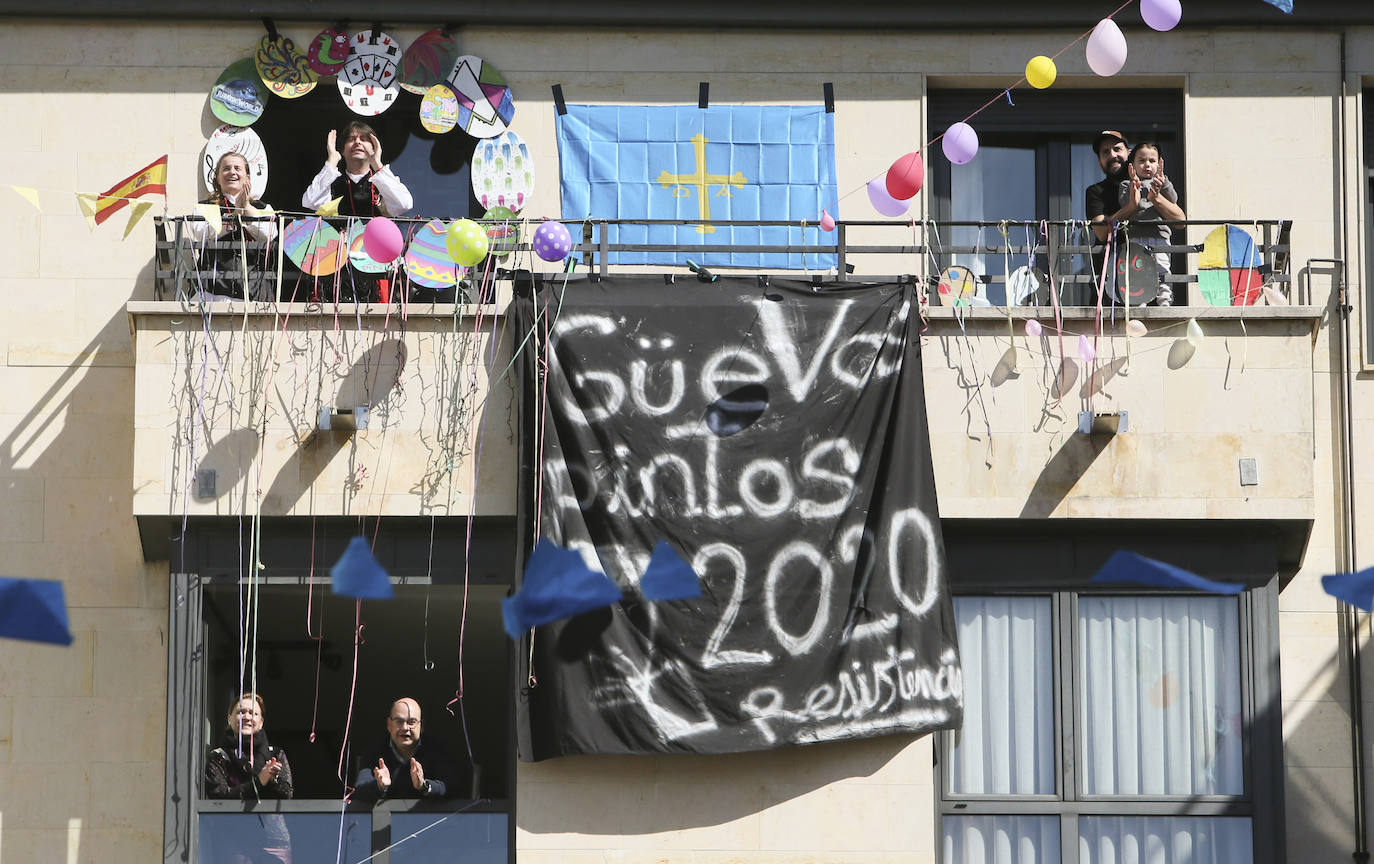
[357,573]
[1129,567]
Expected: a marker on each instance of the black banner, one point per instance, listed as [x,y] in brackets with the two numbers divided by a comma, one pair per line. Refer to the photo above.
[776,437]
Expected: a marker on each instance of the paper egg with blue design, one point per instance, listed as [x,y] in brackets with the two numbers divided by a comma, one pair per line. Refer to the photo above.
[239,96]
[957,286]
[502,172]
[314,246]
[428,263]
[1230,270]
[485,104]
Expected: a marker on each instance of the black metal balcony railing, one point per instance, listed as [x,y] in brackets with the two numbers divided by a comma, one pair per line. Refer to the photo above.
[186,268]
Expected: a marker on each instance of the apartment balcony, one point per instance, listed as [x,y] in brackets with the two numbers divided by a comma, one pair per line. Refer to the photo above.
[1056,406]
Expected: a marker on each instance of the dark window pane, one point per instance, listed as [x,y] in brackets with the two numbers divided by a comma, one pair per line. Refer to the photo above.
[307,683]
[281,838]
[999,184]
[448,838]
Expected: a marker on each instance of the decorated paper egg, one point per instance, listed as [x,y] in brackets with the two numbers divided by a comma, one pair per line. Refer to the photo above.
[367,81]
[502,172]
[314,246]
[503,231]
[428,263]
[328,52]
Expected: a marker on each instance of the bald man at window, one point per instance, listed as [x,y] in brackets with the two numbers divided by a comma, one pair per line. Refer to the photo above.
[408,765]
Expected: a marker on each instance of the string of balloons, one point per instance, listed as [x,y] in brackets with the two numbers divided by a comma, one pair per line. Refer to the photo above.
[891,193]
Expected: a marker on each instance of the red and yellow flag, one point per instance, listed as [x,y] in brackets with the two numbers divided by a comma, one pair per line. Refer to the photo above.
[151,180]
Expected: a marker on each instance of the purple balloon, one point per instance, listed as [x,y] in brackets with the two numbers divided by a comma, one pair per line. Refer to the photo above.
[1161,14]
[960,143]
[884,203]
[552,242]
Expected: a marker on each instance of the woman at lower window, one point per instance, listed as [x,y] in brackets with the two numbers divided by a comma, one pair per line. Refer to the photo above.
[245,766]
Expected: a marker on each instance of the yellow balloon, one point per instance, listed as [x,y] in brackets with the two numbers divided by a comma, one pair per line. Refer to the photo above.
[467,242]
[1040,72]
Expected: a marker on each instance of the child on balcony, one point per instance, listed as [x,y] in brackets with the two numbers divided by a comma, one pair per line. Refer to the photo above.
[1158,201]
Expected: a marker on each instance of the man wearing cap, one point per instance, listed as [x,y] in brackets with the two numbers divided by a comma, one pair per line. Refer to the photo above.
[1123,195]
[1104,200]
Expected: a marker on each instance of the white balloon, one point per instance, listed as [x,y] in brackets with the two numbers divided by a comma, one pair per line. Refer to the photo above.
[1106,48]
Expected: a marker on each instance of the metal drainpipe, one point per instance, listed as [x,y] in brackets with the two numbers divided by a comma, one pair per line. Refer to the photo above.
[1345,402]
[1350,613]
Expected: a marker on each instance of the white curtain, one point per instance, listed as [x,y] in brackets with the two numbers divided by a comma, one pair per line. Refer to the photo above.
[1000,184]
[1164,840]
[1006,745]
[1000,840]
[1160,707]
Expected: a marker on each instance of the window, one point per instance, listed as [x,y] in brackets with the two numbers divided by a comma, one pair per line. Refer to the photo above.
[1104,728]
[294,637]
[434,167]
[1035,160]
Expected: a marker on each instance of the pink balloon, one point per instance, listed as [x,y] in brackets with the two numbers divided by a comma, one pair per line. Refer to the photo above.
[827,221]
[1033,328]
[905,177]
[960,143]
[883,202]
[382,240]
[1085,349]
[1161,14]
[1106,48]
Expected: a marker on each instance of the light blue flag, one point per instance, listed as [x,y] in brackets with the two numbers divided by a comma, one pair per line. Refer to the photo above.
[1285,5]
[770,162]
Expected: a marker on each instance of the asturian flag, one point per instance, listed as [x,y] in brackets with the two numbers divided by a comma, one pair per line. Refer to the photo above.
[764,162]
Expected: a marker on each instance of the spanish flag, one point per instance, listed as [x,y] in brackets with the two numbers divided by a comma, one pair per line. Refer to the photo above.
[151,180]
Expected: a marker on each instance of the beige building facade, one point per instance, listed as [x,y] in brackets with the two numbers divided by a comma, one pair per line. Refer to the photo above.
[1243,453]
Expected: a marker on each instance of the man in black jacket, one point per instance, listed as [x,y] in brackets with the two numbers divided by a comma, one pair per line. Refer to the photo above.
[406,766]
